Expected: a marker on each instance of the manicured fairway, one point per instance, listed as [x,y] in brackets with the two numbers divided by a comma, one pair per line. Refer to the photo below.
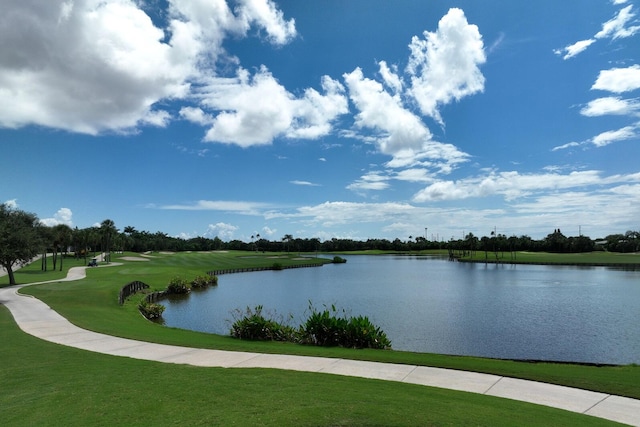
[44,384]
[92,304]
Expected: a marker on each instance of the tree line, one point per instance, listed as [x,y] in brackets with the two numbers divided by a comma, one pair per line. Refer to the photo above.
[23,237]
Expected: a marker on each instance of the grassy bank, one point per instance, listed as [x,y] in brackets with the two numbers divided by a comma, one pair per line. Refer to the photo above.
[92,304]
[46,384]
[600,258]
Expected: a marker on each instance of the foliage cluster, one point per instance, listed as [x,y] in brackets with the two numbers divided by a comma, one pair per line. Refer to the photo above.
[203,281]
[178,286]
[325,328]
[150,310]
[338,260]
[322,328]
[253,325]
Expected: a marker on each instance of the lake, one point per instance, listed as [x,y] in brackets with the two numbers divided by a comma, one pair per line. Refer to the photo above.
[426,304]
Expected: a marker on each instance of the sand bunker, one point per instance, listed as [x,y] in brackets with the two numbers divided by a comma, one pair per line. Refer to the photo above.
[133,258]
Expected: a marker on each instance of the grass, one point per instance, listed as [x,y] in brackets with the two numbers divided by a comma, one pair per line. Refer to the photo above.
[599,258]
[46,384]
[32,368]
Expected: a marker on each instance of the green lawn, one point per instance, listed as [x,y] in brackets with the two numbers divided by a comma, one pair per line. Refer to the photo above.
[44,384]
[599,258]
[151,391]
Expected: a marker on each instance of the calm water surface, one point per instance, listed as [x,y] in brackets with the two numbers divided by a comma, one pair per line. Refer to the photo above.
[587,314]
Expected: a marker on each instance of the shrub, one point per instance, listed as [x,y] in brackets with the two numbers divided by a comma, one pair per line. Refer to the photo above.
[254,326]
[178,286]
[150,310]
[204,281]
[327,329]
[277,266]
[338,260]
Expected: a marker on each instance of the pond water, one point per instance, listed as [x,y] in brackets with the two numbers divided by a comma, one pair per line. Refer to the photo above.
[424,304]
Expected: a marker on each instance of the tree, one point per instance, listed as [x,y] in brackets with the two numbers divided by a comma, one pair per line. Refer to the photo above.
[19,238]
[108,230]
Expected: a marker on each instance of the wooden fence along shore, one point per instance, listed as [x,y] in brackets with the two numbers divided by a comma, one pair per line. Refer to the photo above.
[136,286]
[247,270]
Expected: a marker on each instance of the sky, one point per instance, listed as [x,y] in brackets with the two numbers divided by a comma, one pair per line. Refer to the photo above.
[323,119]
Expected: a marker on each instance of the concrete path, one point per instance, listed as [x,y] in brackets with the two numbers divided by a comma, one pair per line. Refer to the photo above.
[38,319]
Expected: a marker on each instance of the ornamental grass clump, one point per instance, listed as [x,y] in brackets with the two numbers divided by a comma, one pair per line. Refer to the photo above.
[253,325]
[326,329]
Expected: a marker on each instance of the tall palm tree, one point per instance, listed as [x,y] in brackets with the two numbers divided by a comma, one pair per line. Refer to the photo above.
[108,230]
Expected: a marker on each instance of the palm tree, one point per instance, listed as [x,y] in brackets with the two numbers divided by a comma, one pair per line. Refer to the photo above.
[287,238]
[107,230]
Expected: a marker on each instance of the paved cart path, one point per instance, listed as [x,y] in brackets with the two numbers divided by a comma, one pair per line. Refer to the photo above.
[38,319]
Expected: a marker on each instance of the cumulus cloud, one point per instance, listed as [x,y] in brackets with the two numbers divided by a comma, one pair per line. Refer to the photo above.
[398,127]
[63,216]
[444,66]
[222,230]
[618,80]
[253,110]
[11,204]
[92,66]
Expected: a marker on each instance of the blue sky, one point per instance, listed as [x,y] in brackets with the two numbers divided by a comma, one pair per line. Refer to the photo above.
[357,119]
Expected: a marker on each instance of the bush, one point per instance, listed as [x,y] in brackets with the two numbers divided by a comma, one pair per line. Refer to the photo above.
[338,260]
[327,329]
[150,310]
[254,326]
[178,286]
[277,266]
[204,281]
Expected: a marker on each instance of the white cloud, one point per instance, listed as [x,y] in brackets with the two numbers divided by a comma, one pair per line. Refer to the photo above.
[617,27]
[390,77]
[371,181]
[253,110]
[239,207]
[568,145]
[304,183]
[11,204]
[444,65]
[63,216]
[92,66]
[618,80]
[196,115]
[399,129]
[511,185]
[222,230]
[576,48]
[609,137]
[611,105]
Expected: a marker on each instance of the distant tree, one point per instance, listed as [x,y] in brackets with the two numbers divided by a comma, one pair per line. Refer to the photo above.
[287,238]
[108,231]
[19,238]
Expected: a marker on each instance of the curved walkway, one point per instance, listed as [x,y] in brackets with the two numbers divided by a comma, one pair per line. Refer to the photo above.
[38,319]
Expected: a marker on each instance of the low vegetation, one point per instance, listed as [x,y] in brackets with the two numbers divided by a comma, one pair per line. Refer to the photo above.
[35,388]
[321,328]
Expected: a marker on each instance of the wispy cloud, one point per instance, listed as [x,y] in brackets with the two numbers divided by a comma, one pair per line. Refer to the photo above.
[304,183]
[615,28]
[238,207]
